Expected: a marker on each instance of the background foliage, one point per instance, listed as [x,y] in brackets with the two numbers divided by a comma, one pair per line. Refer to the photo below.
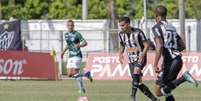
[62,9]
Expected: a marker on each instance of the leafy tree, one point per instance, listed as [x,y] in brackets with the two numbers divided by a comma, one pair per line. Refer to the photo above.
[35,9]
[60,9]
[97,9]
[124,8]
[192,8]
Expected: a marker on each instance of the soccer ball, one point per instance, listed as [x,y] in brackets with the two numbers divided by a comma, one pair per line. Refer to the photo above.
[83,98]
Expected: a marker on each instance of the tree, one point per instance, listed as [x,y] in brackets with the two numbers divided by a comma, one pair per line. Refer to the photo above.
[60,9]
[124,8]
[112,25]
[31,10]
[193,9]
[35,9]
[97,9]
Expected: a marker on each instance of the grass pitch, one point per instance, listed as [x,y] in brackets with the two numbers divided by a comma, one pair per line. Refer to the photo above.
[67,90]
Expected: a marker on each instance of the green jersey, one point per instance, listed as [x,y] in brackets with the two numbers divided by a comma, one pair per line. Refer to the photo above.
[72,39]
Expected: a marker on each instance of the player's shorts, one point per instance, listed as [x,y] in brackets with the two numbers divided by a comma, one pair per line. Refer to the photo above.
[137,64]
[74,62]
[170,71]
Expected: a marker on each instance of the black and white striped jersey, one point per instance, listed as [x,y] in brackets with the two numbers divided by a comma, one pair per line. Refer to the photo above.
[168,34]
[133,43]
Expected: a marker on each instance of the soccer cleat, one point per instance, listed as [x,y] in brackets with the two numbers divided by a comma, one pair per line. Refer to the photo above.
[88,75]
[188,77]
[82,90]
[133,98]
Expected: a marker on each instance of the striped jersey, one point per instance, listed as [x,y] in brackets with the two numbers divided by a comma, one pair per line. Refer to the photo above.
[133,43]
[169,35]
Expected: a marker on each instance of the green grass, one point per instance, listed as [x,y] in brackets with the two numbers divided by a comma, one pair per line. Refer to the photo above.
[67,90]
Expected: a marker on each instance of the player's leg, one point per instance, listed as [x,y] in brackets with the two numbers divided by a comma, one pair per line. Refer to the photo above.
[169,98]
[172,81]
[69,72]
[84,74]
[174,69]
[77,64]
[173,72]
[135,71]
[143,88]
[88,75]
[146,91]
[162,81]
[74,71]
[170,78]
[158,90]
[135,81]
[188,77]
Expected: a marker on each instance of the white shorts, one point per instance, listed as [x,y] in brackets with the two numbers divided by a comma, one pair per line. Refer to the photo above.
[74,62]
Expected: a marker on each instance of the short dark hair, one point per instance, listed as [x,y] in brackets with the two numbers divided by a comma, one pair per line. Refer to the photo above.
[161,11]
[124,18]
[70,21]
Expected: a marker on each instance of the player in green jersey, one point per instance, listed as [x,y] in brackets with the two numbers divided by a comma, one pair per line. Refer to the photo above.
[75,41]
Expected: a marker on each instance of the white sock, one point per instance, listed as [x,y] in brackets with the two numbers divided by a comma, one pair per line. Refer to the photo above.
[80,83]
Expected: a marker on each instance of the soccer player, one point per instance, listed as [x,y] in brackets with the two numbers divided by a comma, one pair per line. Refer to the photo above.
[134,41]
[165,37]
[75,41]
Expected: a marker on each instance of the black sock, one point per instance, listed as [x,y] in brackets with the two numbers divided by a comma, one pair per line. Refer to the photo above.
[170,98]
[179,81]
[145,90]
[135,84]
[167,89]
[134,90]
[172,85]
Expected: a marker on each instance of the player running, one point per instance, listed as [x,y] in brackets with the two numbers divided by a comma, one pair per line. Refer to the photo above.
[75,41]
[136,45]
[166,40]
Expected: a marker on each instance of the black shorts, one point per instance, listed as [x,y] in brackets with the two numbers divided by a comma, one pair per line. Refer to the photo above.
[170,70]
[137,64]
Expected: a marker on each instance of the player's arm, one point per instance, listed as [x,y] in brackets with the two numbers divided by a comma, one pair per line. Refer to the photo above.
[121,52]
[121,49]
[65,49]
[82,42]
[159,46]
[158,53]
[146,46]
[159,49]
[145,50]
